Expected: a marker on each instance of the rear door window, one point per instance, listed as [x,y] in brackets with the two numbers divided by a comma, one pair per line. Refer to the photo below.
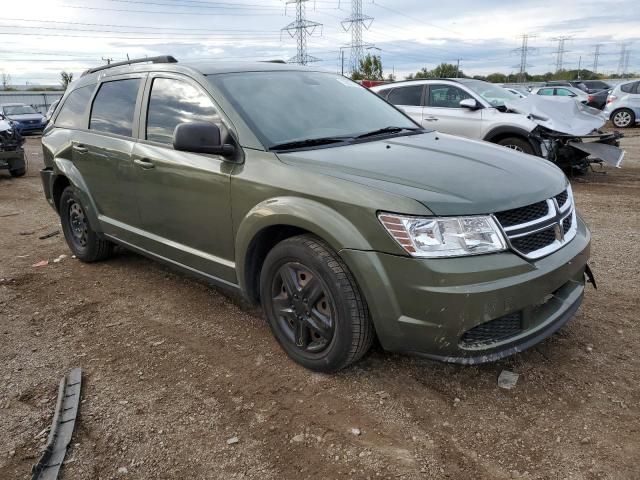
[630,87]
[72,112]
[545,91]
[407,96]
[114,107]
[173,102]
[563,92]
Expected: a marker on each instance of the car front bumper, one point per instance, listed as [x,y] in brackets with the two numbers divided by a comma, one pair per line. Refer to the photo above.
[471,310]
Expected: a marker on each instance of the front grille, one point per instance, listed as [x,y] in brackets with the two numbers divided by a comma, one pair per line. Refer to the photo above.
[521,215]
[540,228]
[562,198]
[493,331]
[535,241]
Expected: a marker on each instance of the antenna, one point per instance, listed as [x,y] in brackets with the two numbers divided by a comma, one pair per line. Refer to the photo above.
[300,29]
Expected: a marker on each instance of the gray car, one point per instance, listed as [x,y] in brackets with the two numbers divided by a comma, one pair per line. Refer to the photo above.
[623,105]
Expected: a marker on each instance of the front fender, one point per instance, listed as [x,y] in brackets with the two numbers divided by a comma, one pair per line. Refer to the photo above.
[310,215]
[508,130]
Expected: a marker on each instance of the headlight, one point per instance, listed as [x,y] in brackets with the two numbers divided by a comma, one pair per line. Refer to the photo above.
[444,236]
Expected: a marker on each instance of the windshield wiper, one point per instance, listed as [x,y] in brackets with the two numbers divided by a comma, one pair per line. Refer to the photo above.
[308,142]
[391,129]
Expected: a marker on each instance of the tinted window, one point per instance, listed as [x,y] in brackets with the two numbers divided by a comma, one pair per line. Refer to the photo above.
[545,91]
[630,87]
[446,96]
[597,84]
[563,92]
[173,102]
[407,95]
[72,112]
[114,107]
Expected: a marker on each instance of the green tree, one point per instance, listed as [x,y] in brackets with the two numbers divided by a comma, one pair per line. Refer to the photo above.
[65,79]
[446,70]
[497,78]
[370,69]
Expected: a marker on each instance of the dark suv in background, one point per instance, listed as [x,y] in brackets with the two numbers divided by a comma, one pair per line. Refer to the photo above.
[318,199]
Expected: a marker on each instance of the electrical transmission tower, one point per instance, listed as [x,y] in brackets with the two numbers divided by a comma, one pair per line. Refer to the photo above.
[300,29]
[561,51]
[356,22]
[524,51]
[596,56]
[623,62]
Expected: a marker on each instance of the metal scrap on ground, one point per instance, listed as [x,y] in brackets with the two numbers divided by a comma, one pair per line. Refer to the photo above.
[64,420]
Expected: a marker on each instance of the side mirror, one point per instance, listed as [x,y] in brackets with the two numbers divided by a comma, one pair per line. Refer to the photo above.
[200,137]
[469,103]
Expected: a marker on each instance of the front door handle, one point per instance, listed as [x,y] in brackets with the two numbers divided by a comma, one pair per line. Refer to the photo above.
[145,163]
[81,149]
[430,119]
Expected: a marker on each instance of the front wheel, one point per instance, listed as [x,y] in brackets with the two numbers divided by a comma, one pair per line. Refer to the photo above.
[85,244]
[623,118]
[517,144]
[18,172]
[313,305]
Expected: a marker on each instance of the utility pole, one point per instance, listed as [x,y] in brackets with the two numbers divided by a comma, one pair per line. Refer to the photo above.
[108,60]
[523,51]
[300,29]
[579,66]
[458,68]
[561,51]
[596,56]
[356,22]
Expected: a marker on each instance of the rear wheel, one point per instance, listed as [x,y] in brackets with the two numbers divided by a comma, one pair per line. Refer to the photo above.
[518,144]
[18,172]
[313,305]
[82,240]
[623,118]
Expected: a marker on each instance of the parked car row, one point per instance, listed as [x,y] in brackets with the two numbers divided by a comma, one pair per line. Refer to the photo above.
[561,131]
[345,218]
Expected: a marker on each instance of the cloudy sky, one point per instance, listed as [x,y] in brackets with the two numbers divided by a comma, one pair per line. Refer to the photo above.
[39,38]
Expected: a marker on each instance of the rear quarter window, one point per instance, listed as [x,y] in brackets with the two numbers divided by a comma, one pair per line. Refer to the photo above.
[72,112]
[630,87]
[114,107]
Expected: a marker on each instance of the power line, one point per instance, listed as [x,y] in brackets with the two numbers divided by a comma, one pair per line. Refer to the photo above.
[199,14]
[356,22]
[300,29]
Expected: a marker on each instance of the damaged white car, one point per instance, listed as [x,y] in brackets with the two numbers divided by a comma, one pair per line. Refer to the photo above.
[560,130]
[11,151]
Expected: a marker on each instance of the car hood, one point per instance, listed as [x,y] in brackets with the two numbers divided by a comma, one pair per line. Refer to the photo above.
[561,114]
[4,125]
[26,116]
[447,174]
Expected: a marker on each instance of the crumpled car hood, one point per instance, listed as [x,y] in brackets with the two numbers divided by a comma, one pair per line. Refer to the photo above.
[561,114]
[4,125]
[447,174]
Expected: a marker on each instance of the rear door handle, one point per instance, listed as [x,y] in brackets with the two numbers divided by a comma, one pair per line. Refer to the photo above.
[80,148]
[145,163]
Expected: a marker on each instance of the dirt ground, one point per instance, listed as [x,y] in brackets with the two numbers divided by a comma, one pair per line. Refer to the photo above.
[174,368]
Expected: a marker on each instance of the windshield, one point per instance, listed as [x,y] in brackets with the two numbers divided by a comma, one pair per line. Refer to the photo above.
[289,106]
[18,110]
[495,95]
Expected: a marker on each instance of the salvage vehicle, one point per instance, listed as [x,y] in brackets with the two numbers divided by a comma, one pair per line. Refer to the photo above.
[11,151]
[562,131]
[345,219]
[25,117]
[595,100]
[623,105]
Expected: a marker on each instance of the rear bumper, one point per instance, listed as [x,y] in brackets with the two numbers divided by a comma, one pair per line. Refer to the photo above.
[430,307]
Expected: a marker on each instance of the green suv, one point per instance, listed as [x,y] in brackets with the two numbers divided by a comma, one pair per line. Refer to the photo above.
[318,199]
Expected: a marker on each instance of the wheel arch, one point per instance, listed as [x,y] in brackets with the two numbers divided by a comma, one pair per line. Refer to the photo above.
[66,174]
[500,133]
[274,220]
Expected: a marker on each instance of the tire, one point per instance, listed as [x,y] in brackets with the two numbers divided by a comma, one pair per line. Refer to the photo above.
[518,144]
[18,172]
[313,305]
[85,244]
[623,118]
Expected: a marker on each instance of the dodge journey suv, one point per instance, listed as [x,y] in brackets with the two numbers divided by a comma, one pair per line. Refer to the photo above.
[316,198]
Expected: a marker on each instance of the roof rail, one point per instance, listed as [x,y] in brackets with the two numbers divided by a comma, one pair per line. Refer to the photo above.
[158,59]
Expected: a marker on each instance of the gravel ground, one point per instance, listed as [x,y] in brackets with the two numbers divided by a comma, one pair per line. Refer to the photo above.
[173,369]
